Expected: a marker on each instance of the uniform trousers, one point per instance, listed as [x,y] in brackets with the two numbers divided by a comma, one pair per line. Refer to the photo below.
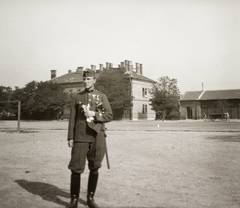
[92,151]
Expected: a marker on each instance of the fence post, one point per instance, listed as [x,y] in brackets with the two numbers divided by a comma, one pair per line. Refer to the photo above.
[19,113]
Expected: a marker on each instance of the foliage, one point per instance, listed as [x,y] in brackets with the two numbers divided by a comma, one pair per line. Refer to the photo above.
[6,108]
[5,93]
[116,85]
[165,96]
[40,100]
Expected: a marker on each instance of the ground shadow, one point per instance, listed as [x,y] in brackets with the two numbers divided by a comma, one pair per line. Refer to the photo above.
[48,192]
[227,138]
[16,131]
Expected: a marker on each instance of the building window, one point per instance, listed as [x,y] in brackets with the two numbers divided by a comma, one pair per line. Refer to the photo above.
[144,92]
[144,108]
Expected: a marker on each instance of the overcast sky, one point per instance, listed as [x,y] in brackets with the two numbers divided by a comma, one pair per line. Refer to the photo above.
[194,41]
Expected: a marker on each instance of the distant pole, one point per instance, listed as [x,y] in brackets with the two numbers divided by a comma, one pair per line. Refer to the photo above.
[19,113]
[131,113]
[202,86]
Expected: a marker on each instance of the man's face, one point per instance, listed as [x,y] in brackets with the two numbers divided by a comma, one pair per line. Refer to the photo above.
[89,82]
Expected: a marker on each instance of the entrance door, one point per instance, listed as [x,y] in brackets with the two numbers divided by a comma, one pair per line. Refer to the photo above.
[238,111]
[189,113]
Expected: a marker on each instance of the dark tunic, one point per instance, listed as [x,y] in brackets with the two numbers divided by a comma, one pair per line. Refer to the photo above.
[79,129]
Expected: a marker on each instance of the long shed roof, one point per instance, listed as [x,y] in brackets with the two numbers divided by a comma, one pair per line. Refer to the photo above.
[211,95]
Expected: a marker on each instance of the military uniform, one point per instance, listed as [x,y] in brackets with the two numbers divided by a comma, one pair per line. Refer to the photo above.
[88,136]
[82,131]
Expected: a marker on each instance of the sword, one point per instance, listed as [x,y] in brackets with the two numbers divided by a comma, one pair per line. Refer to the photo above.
[108,164]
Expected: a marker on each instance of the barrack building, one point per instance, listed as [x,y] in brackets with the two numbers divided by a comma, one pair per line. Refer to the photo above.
[72,82]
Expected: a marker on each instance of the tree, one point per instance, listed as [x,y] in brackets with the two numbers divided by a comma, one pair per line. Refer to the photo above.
[165,96]
[6,108]
[49,100]
[28,100]
[41,100]
[116,85]
[5,93]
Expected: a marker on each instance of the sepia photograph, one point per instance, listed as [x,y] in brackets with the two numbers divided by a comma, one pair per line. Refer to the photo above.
[120,104]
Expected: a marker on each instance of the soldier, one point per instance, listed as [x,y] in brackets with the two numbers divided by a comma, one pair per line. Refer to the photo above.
[86,136]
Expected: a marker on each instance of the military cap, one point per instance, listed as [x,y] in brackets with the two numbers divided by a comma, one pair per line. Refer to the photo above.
[89,73]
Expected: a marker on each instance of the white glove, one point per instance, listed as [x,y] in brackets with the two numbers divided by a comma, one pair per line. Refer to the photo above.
[88,113]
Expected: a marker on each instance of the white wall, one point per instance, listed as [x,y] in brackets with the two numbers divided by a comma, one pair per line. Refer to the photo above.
[139,101]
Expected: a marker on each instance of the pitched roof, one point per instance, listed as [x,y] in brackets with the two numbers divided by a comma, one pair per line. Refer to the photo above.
[143,78]
[221,94]
[211,95]
[73,77]
[135,75]
[191,95]
[70,77]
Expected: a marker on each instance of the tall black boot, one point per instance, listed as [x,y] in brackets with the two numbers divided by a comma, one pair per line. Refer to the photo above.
[74,189]
[92,185]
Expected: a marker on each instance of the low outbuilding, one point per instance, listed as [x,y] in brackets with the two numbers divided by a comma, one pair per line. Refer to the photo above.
[204,104]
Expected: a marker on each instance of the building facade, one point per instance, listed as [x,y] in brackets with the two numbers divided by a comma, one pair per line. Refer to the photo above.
[72,82]
[198,104]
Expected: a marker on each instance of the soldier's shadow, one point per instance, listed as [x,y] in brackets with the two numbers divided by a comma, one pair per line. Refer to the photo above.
[48,192]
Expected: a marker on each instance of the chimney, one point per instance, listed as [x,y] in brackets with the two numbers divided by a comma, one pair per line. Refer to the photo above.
[137,68]
[122,65]
[79,70]
[69,71]
[130,66]
[141,69]
[126,65]
[110,65]
[93,67]
[101,67]
[53,74]
[107,65]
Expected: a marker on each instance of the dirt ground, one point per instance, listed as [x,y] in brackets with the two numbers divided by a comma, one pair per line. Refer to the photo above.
[178,164]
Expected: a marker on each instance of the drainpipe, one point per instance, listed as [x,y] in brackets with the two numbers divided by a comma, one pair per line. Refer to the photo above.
[130,79]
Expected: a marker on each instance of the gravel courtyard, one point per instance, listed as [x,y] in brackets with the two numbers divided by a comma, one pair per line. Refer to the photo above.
[172,164]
